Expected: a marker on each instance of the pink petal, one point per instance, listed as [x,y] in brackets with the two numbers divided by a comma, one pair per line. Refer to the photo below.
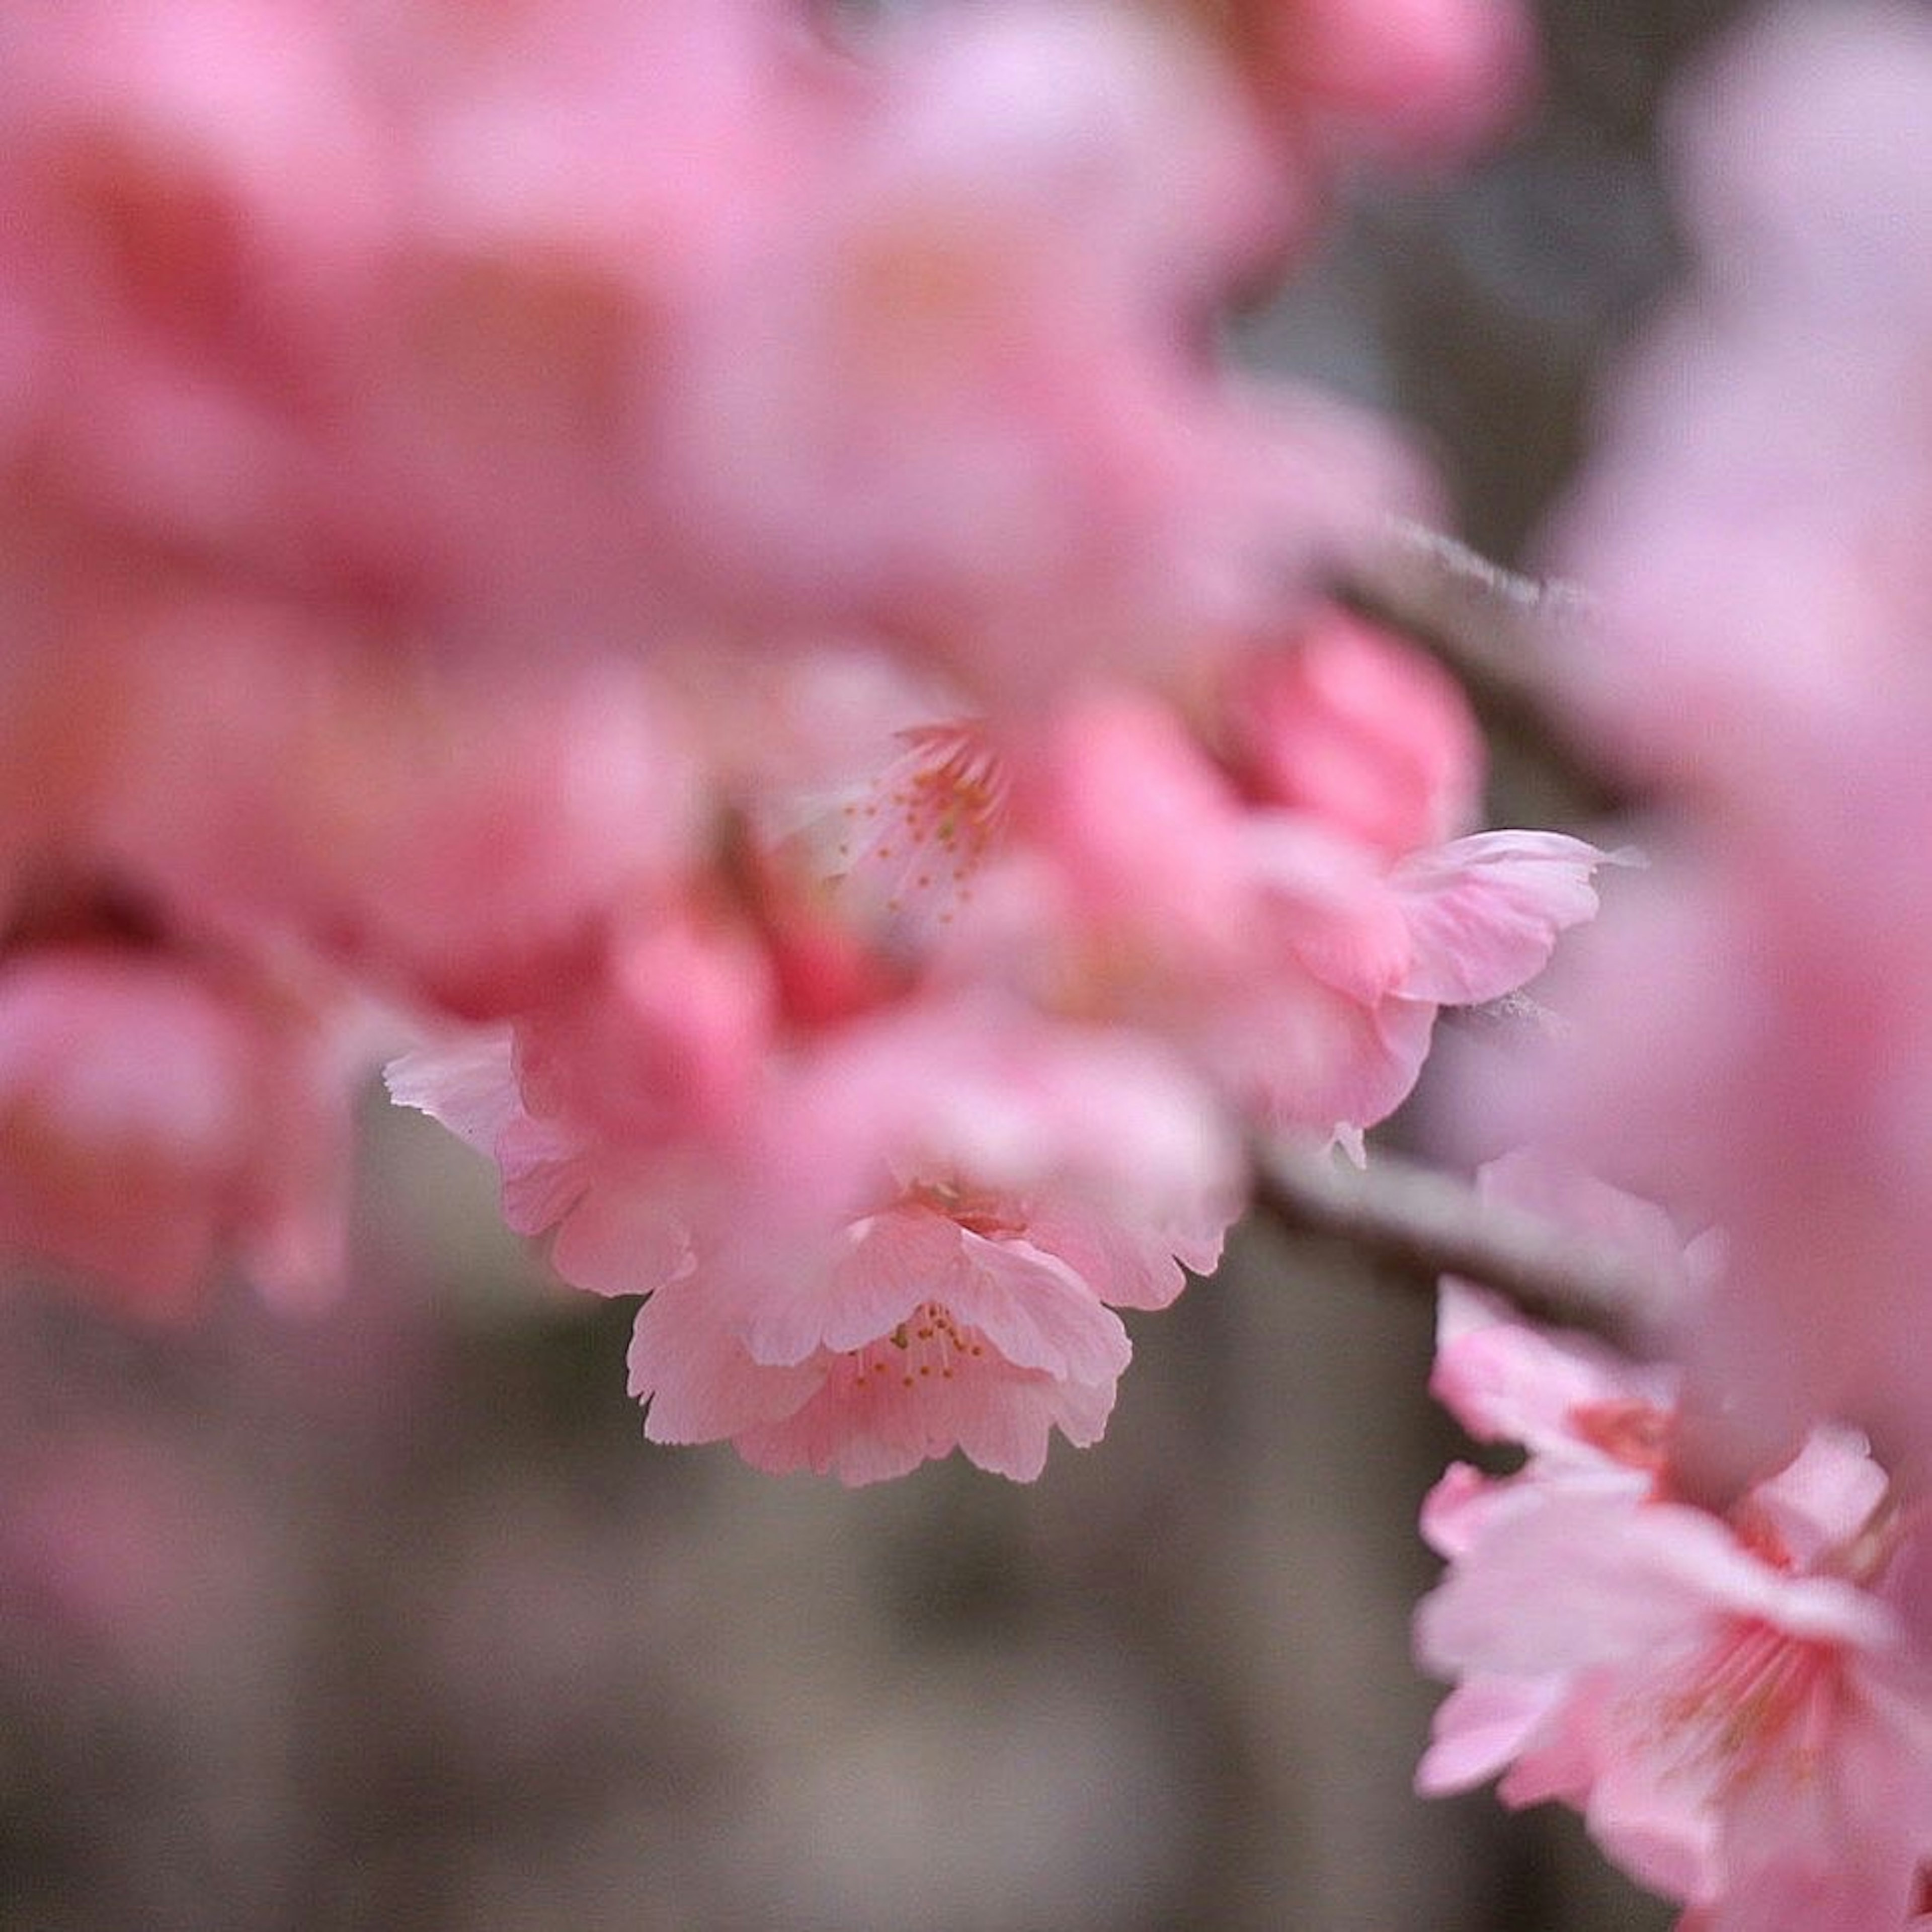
[1484,912]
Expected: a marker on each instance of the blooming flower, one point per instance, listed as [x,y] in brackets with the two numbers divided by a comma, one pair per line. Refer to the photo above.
[913,1237]
[1731,1700]
[157,1119]
[1300,964]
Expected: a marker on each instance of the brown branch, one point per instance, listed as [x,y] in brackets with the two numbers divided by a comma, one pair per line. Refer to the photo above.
[1498,632]
[1425,1224]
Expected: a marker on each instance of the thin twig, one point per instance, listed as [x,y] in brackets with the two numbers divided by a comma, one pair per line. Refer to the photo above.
[1426,1224]
[1499,632]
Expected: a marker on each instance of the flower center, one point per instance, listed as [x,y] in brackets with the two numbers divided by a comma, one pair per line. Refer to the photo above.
[1757,1697]
[928,824]
[1627,1430]
[929,1345]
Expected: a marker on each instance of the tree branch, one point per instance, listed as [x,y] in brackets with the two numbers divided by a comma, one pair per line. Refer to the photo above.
[1425,1224]
[1496,631]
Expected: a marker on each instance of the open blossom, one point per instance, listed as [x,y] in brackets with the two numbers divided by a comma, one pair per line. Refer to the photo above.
[963,394]
[1732,1701]
[913,1239]
[1272,917]
[1752,1738]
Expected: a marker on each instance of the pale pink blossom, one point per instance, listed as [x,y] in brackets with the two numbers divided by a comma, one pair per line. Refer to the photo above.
[1360,729]
[943,1324]
[1751,1739]
[1300,966]
[1751,1041]
[1750,522]
[463,841]
[912,1238]
[1742,1719]
[963,393]
[945,1215]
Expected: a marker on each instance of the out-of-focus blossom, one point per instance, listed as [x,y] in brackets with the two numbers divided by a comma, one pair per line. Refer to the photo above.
[1414,80]
[463,841]
[371,304]
[1365,733]
[1751,522]
[967,393]
[157,1119]
[1754,1045]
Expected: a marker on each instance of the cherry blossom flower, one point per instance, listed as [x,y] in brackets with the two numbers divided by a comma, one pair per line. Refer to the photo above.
[1301,967]
[371,303]
[1750,1739]
[463,842]
[1732,1701]
[962,395]
[158,1119]
[1365,733]
[912,1239]
[1752,1045]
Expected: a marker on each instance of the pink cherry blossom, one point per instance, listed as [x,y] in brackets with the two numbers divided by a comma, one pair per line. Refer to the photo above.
[942,1326]
[370,303]
[1363,732]
[1301,968]
[1748,1739]
[1738,1712]
[461,841]
[962,1194]
[1752,1045]
[158,1119]
[962,394]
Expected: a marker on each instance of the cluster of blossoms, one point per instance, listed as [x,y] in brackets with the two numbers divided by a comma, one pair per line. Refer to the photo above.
[689,576]
[702,570]
[1732,1695]
[1754,1043]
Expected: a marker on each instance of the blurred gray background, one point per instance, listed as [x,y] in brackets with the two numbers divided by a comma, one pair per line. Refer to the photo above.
[391,1619]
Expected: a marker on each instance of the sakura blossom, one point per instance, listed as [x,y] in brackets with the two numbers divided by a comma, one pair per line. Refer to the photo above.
[1733,1701]
[910,1238]
[133,1090]
[705,593]
[1759,1012]
[1296,945]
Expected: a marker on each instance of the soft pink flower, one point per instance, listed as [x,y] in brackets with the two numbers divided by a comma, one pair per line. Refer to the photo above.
[945,1324]
[1751,1042]
[1361,730]
[1301,968]
[157,1119]
[1742,1721]
[959,1194]
[1752,1740]
[1751,520]
[461,841]
[963,393]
